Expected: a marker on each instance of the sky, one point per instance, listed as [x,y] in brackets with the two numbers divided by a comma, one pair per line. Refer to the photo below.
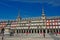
[28,8]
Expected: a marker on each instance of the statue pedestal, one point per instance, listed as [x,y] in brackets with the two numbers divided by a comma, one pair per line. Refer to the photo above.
[7,31]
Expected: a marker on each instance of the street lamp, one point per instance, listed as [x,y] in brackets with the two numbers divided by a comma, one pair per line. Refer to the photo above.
[2,33]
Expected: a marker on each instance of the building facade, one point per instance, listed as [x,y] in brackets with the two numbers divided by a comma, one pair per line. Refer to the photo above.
[41,24]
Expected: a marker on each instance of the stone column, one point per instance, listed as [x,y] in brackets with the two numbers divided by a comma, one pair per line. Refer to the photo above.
[28,31]
[15,32]
[20,31]
[36,30]
[39,30]
[49,31]
[42,30]
[46,31]
[25,31]
[52,30]
[31,31]
[58,30]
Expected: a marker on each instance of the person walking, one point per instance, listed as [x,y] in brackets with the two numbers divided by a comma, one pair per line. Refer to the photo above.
[2,38]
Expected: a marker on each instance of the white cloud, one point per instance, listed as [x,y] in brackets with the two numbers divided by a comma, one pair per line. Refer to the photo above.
[53,2]
[5,4]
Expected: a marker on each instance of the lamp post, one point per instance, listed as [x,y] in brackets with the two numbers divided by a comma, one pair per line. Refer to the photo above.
[3,34]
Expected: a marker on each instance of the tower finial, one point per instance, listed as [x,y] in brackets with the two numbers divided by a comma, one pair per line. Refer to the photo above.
[43,12]
[18,13]
[18,17]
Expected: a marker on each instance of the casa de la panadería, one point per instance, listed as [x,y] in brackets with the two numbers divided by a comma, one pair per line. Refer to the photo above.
[32,25]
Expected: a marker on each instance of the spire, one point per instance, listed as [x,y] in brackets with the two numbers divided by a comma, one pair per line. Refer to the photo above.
[18,13]
[43,12]
[18,17]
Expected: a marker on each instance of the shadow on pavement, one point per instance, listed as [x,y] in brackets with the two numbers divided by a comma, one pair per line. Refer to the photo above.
[54,37]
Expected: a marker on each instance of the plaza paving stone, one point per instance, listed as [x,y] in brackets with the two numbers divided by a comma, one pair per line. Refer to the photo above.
[32,37]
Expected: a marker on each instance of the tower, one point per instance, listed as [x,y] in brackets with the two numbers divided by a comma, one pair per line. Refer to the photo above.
[18,17]
[43,14]
[18,21]
[43,18]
